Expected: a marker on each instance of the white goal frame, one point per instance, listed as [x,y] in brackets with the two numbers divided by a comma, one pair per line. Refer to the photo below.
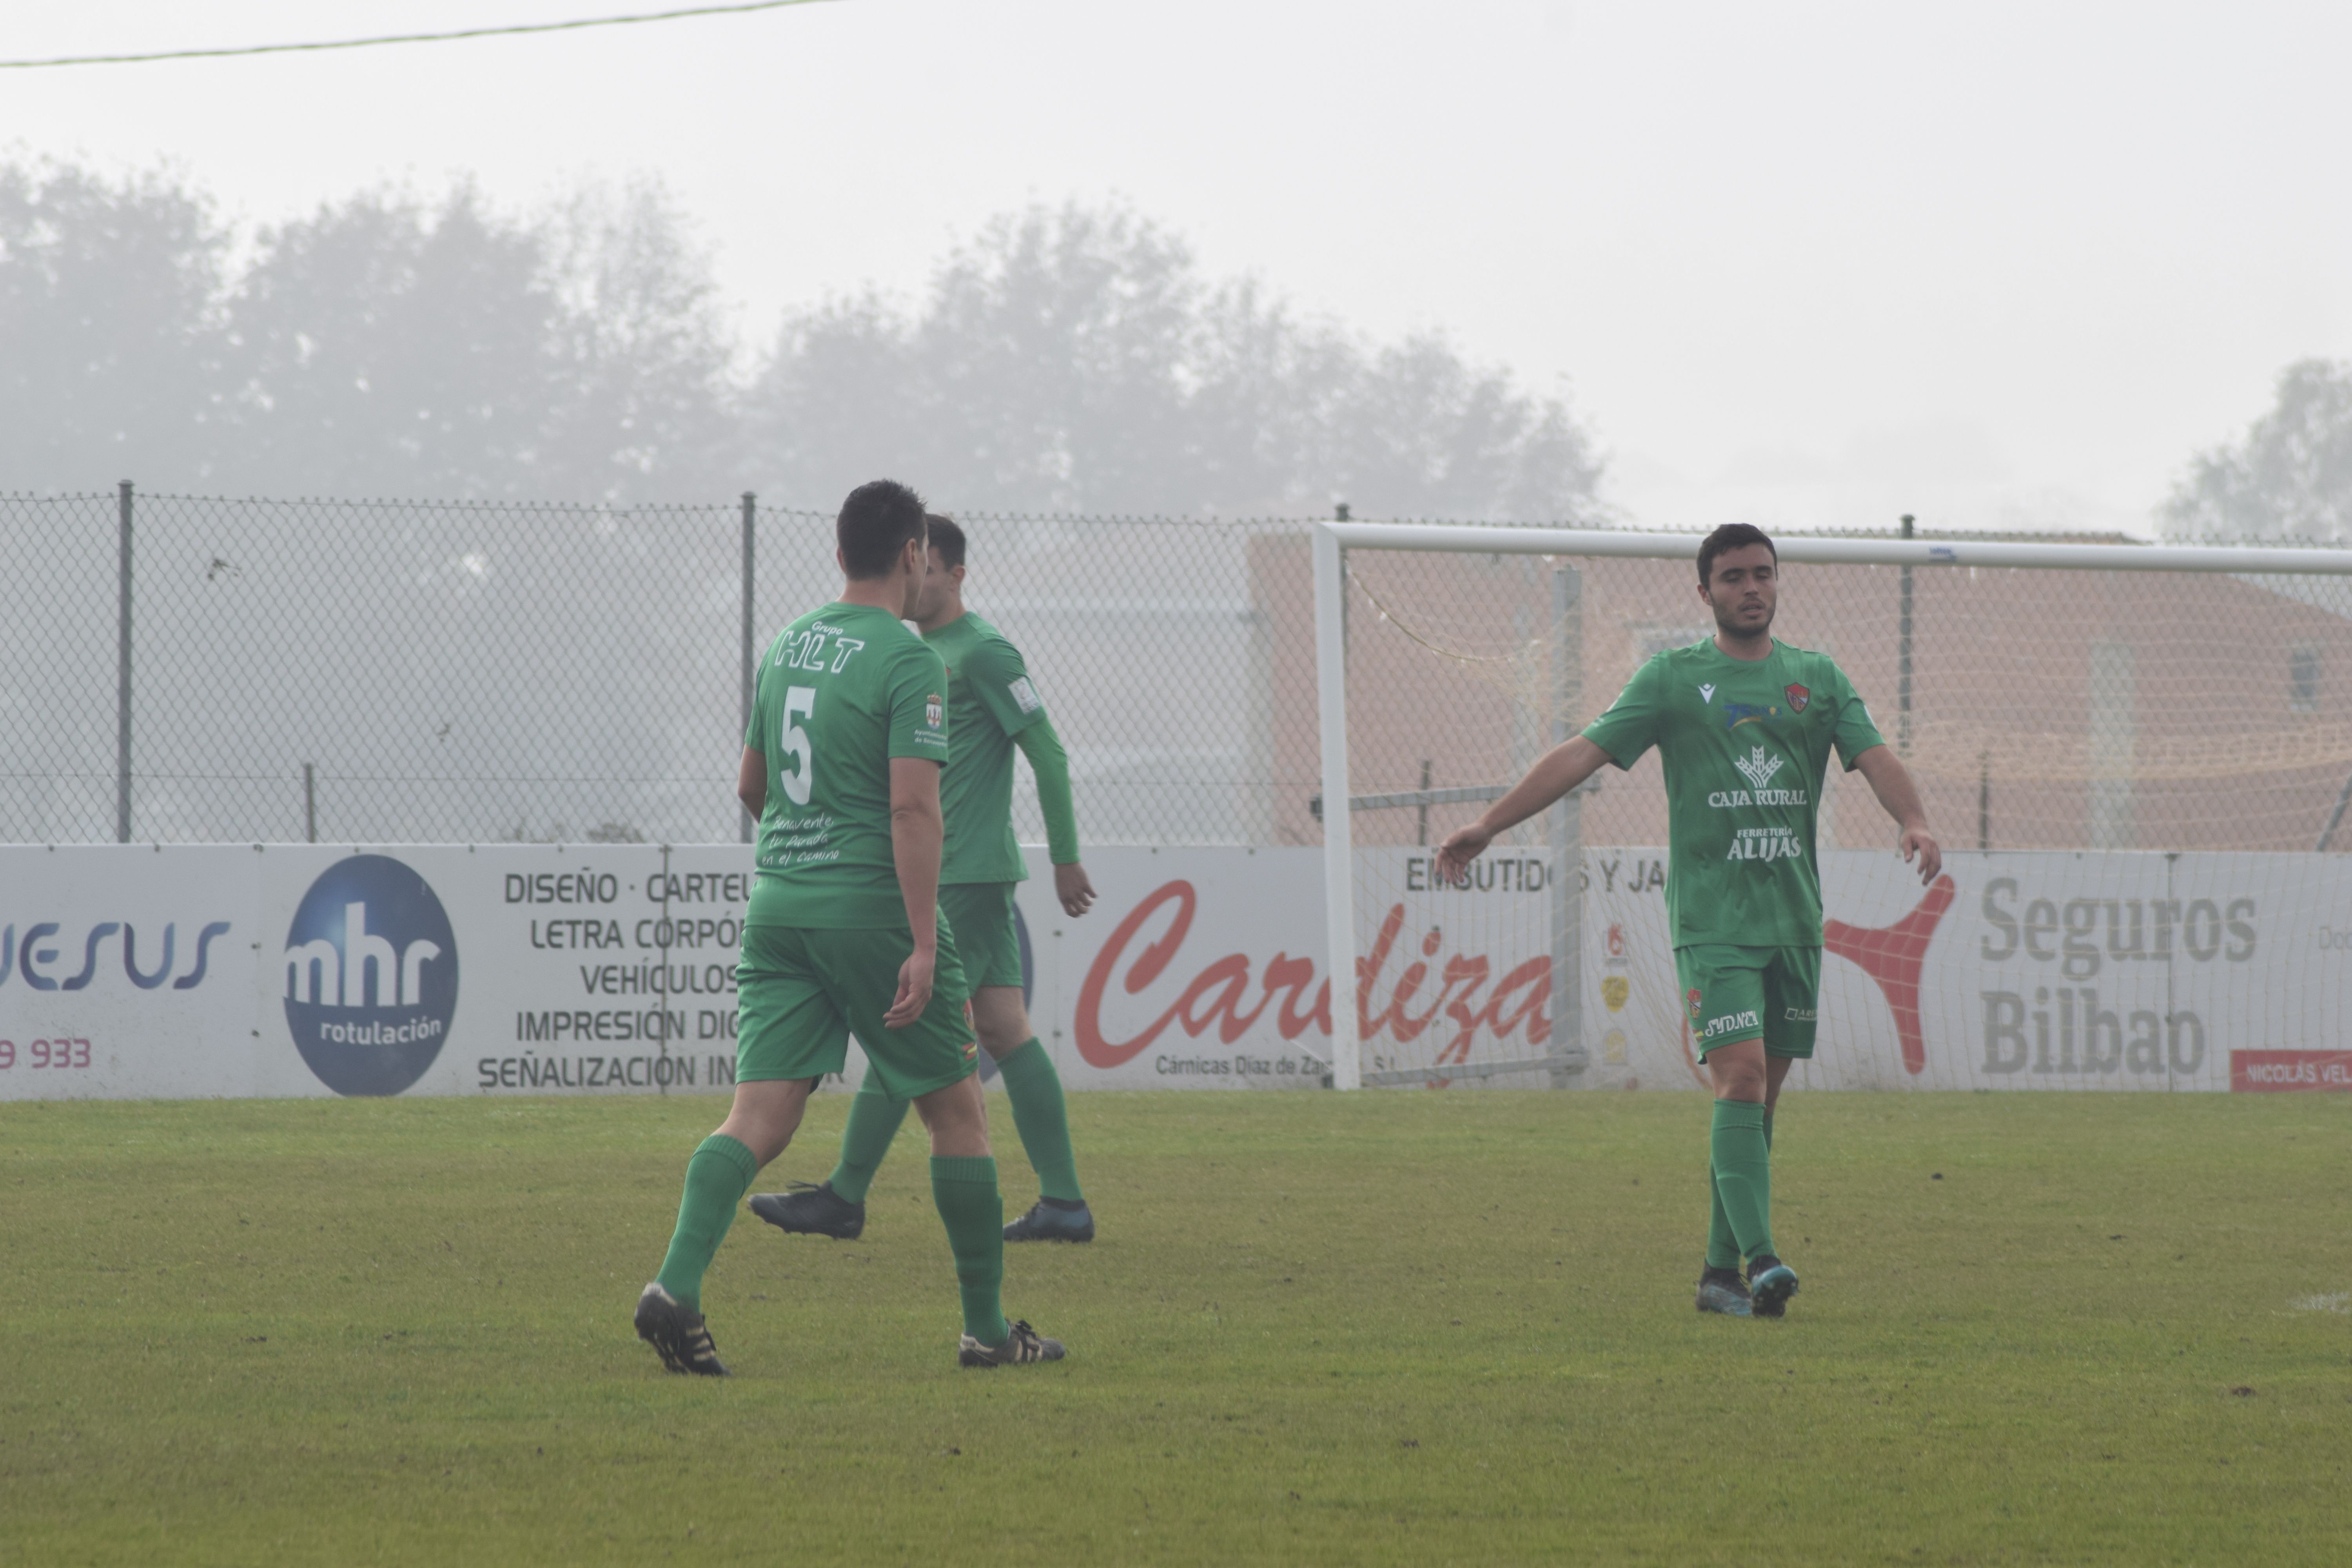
[1331,542]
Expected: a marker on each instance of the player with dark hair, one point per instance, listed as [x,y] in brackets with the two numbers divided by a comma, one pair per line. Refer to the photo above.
[842,763]
[992,707]
[1745,726]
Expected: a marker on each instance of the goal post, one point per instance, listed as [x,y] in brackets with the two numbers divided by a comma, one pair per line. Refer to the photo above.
[2127,718]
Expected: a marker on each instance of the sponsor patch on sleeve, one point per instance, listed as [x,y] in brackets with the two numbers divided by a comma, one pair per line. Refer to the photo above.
[1024,695]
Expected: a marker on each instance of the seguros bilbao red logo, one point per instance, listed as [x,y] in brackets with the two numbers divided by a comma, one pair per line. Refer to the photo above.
[1893,956]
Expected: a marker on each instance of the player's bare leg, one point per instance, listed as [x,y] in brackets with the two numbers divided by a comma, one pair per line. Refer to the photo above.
[956,1118]
[761,1122]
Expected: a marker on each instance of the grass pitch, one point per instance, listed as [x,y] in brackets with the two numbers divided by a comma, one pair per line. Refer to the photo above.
[1387,1327]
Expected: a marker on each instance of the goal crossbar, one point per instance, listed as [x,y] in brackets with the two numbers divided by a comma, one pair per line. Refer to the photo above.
[1469,538]
[1331,540]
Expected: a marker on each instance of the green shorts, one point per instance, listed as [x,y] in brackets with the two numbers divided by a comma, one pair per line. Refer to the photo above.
[803,993]
[1734,993]
[981,916]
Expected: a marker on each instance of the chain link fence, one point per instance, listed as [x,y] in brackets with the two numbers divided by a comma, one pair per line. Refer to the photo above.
[472,672]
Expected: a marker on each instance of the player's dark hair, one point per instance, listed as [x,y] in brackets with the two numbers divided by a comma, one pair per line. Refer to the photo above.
[1731,536]
[947,539]
[876,523]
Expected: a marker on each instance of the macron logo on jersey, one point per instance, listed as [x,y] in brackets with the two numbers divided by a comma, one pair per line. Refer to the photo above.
[1706,694]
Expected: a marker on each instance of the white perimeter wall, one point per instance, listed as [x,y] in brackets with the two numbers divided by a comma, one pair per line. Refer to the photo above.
[609,969]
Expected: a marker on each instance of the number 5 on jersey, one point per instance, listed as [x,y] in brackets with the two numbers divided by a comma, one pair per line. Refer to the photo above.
[800,701]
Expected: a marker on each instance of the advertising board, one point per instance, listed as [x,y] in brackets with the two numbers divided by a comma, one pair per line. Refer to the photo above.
[138,972]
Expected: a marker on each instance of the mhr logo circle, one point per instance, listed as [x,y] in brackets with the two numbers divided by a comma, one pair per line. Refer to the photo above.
[370,976]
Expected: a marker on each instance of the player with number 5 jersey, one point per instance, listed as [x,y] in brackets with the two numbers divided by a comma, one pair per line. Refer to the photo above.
[994,708]
[849,733]
[842,691]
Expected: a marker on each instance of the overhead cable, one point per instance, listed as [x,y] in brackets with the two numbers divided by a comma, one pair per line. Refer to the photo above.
[408,38]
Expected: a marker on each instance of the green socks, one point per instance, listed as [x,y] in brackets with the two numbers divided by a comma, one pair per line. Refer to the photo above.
[1042,1119]
[1743,1176]
[716,1180]
[1039,1115]
[964,1188]
[874,1120]
[1722,1246]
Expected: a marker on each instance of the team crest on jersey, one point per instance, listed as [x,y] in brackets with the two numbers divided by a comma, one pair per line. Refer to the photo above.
[1797,697]
[933,710]
[1694,1003]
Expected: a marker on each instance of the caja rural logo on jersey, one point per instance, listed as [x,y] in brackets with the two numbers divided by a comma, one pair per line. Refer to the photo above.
[370,976]
[1759,766]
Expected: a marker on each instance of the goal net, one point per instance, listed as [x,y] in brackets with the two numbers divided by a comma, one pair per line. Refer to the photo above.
[2138,778]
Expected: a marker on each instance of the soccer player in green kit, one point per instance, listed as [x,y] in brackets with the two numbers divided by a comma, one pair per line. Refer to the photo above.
[842,765]
[1744,725]
[992,707]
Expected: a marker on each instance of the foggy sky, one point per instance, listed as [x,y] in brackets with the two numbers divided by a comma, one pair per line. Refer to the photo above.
[2002,266]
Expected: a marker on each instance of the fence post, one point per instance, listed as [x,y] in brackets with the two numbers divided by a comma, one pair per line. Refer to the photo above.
[1903,662]
[309,803]
[1568,1054]
[122,669]
[751,519]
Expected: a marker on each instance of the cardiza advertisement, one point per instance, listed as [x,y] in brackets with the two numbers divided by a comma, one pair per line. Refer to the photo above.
[200,971]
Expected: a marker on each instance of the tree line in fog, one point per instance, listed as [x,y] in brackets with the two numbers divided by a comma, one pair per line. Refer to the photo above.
[388,344]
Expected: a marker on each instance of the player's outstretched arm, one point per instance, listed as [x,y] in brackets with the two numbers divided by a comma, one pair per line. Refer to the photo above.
[1556,773]
[1051,765]
[1890,780]
[917,834]
[752,782]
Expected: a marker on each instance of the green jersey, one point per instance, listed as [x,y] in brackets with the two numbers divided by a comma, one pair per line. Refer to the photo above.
[990,700]
[1745,744]
[842,691]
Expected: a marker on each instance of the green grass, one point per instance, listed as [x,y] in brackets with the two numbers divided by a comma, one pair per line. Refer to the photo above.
[1389,1327]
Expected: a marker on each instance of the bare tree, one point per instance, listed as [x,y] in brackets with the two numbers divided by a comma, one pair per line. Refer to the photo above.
[2292,476]
[1073,360]
[109,306]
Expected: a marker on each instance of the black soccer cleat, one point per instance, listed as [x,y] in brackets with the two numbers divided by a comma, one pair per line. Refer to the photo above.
[1045,1222]
[1722,1290]
[678,1332]
[811,1209]
[1770,1283]
[1020,1347]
